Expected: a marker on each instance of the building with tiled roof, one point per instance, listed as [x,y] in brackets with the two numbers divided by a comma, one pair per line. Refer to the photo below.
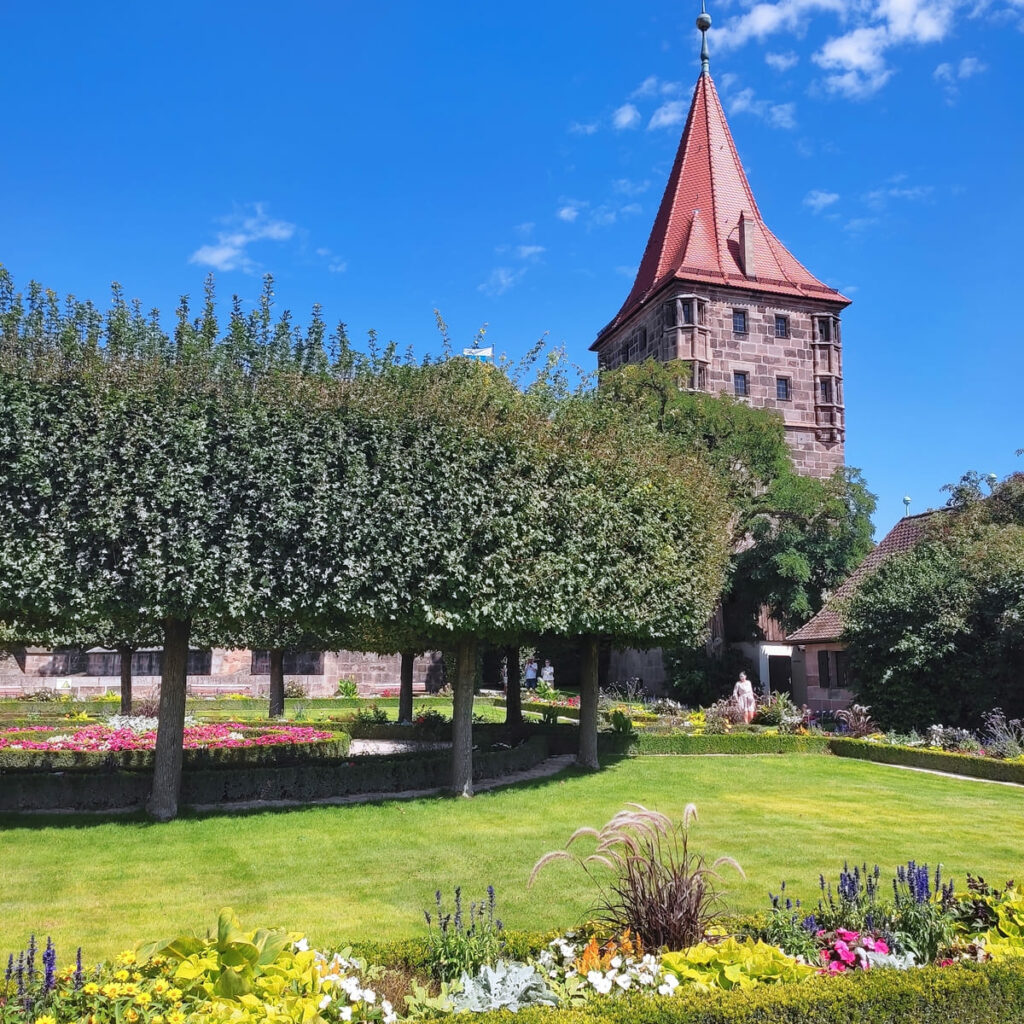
[820,650]
[716,287]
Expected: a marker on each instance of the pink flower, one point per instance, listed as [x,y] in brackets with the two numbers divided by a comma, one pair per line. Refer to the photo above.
[842,933]
[881,946]
[836,967]
[844,952]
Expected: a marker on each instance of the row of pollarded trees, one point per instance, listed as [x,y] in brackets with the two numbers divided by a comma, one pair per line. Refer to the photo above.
[248,489]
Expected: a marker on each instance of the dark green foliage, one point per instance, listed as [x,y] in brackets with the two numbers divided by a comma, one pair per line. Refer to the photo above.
[935,760]
[936,635]
[698,678]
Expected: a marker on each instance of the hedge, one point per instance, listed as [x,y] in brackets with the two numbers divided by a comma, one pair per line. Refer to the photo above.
[967,994]
[127,790]
[539,707]
[937,760]
[738,743]
[218,758]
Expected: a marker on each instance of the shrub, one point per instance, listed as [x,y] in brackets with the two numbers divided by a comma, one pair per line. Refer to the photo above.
[347,688]
[660,891]
[778,710]
[1002,738]
[458,947]
[46,695]
[295,690]
[934,760]
[856,720]
[731,964]
[505,986]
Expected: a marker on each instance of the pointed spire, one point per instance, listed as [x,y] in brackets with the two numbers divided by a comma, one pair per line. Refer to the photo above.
[704,23]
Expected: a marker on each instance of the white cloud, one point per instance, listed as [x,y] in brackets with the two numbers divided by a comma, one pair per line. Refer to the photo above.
[667,115]
[500,280]
[857,62]
[627,116]
[580,128]
[950,74]
[781,61]
[240,230]
[817,199]
[602,216]
[626,271]
[529,252]
[337,266]
[654,86]
[569,211]
[630,188]
[631,208]
[778,115]
[525,229]
[764,19]
[879,197]
[859,224]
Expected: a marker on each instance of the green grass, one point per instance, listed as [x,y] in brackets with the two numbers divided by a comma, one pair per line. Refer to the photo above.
[341,873]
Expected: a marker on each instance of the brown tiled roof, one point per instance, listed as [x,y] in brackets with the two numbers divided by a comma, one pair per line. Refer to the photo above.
[827,625]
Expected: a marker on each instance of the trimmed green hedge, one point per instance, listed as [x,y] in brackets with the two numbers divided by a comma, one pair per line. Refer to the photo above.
[124,790]
[538,707]
[739,743]
[937,760]
[968,994]
[203,758]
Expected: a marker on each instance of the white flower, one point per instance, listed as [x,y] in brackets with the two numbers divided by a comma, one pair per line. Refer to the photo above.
[389,1013]
[623,981]
[345,1013]
[301,946]
[617,962]
[645,978]
[600,982]
[369,995]
[669,985]
[325,1002]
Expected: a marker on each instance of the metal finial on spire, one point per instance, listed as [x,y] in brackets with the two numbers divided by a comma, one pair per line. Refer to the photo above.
[704,23]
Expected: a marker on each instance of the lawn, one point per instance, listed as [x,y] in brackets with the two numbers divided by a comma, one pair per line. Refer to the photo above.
[340,873]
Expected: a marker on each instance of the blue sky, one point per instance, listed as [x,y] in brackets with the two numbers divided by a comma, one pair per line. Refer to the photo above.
[504,163]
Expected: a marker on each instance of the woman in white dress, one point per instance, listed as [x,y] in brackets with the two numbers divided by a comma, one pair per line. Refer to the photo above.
[743,694]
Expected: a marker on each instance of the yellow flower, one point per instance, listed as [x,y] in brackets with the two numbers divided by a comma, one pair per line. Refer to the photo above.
[175,1017]
[131,1015]
[46,1020]
[157,1018]
[136,976]
[111,991]
[121,975]
[174,994]
[160,986]
[143,999]
[127,957]
[129,990]
[90,988]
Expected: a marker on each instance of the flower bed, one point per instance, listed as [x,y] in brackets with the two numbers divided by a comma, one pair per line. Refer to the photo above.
[128,744]
[732,743]
[300,782]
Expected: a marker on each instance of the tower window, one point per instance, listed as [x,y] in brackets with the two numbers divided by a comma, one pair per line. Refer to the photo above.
[741,384]
[781,326]
[687,312]
[702,313]
[739,321]
[825,389]
[782,389]
[825,328]
[668,314]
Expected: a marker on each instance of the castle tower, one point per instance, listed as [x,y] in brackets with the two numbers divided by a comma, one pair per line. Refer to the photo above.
[718,289]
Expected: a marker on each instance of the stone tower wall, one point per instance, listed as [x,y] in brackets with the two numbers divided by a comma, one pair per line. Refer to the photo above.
[815,427]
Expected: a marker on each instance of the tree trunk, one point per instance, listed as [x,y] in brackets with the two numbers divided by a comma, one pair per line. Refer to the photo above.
[276,682]
[587,755]
[462,719]
[405,687]
[513,688]
[170,734]
[126,679]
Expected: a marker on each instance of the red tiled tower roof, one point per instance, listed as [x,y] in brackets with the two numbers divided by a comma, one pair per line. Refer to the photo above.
[696,235]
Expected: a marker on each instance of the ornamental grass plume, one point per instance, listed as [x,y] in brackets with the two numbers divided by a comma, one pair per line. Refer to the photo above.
[659,890]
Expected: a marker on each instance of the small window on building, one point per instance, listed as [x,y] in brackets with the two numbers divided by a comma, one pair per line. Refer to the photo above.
[782,391]
[825,329]
[668,314]
[702,313]
[825,389]
[781,326]
[739,321]
[842,671]
[698,377]
[824,673]
[741,384]
[687,312]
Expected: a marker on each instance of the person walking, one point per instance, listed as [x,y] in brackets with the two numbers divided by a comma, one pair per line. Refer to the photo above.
[548,674]
[530,674]
[743,694]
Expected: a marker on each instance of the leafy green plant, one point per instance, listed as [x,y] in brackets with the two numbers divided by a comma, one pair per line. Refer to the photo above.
[734,964]
[347,688]
[373,715]
[462,943]
[621,723]
[662,892]
[545,691]
[226,962]
[295,690]
[778,710]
